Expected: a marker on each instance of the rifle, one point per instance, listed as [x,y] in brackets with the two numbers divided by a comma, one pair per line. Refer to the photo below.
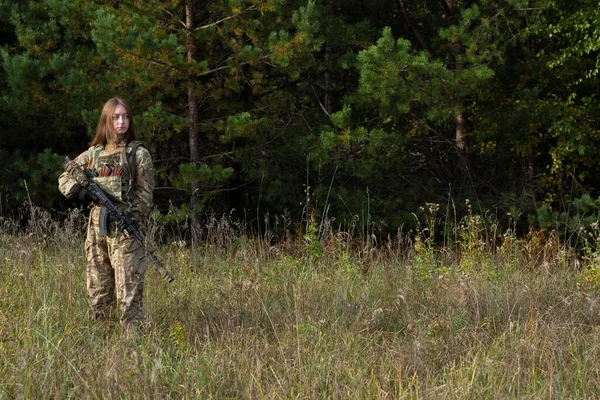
[124,221]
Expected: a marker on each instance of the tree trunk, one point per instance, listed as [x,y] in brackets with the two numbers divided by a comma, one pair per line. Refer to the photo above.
[452,12]
[193,115]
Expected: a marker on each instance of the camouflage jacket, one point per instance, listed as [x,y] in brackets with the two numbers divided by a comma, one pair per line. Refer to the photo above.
[113,174]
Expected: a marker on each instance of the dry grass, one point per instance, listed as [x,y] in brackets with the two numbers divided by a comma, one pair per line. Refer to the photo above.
[330,318]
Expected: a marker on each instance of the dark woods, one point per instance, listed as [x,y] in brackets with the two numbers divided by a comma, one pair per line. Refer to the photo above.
[355,112]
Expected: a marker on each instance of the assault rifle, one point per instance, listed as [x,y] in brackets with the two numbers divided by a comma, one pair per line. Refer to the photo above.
[108,209]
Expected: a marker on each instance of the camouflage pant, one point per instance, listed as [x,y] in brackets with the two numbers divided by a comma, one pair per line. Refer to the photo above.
[114,262]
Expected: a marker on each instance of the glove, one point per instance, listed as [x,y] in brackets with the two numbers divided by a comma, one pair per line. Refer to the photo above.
[77,173]
[84,195]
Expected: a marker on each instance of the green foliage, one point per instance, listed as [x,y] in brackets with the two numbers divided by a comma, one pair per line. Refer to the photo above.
[578,224]
[25,177]
[314,247]
[577,35]
[212,179]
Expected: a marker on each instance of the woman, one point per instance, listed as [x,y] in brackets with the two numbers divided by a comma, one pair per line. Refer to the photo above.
[123,168]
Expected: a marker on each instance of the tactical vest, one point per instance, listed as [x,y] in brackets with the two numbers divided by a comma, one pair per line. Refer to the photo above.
[115,172]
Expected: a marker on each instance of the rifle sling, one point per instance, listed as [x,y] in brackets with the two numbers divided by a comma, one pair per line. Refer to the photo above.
[133,166]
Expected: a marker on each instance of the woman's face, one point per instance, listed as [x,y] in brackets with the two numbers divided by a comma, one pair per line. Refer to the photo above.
[120,120]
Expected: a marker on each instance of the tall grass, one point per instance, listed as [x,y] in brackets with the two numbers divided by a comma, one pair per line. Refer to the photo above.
[312,317]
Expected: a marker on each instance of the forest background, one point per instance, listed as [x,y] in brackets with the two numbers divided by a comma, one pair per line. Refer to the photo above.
[358,112]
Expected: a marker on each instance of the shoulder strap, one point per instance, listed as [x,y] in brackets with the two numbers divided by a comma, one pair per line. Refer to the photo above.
[134,146]
[133,165]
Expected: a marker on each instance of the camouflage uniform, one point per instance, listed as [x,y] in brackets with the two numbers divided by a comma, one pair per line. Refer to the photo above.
[114,260]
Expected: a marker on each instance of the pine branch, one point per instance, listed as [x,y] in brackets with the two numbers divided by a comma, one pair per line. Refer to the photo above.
[319,101]
[409,23]
[224,19]
[178,20]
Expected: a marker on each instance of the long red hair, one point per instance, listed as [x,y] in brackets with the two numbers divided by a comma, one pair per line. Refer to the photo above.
[105,132]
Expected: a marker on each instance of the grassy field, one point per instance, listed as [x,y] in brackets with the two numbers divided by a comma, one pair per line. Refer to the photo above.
[336,318]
